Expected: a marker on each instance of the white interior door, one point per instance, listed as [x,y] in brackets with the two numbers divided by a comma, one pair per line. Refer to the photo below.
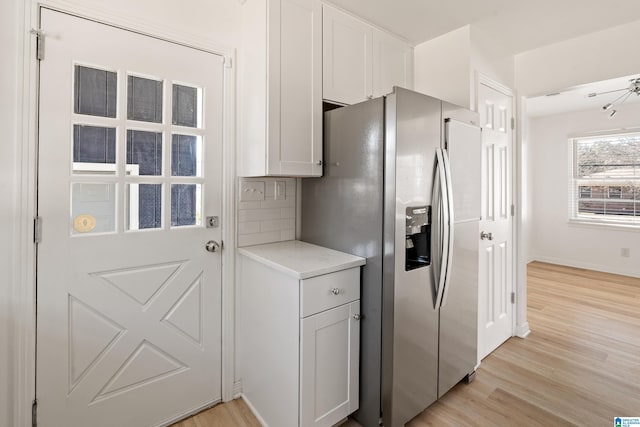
[495,309]
[128,299]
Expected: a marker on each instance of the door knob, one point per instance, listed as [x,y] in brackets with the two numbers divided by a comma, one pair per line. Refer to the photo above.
[486,236]
[212,246]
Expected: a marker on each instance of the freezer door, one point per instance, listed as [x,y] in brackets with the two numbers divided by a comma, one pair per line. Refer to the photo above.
[410,322]
[459,309]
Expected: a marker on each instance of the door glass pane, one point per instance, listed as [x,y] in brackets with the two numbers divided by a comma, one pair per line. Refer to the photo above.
[94,150]
[186,205]
[144,99]
[144,206]
[95,92]
[144,153]
[93,208]
[186,106]
[186,155]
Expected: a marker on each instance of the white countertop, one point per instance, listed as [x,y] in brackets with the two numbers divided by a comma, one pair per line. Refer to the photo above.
[300,259]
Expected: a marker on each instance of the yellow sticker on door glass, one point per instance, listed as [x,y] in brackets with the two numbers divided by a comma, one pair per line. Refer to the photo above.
[84,223]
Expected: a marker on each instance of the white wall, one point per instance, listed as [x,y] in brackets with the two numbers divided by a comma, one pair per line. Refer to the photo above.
[597,56]
[446,67]
[490,58]
[8,150]
[204,21]
[442,66]
[552,238]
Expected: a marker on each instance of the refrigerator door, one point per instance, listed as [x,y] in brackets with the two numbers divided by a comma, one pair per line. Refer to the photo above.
[410,322]
[463,142]
[343,211]
[459,310]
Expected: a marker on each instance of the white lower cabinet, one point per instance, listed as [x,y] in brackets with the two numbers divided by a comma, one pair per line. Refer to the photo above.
[299,334]
[329,353]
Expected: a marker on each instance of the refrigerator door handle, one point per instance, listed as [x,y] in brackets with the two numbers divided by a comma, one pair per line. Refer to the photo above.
[440,271]
[449,226]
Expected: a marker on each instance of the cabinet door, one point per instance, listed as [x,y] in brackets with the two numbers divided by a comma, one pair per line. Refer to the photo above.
[346,50]
[392,64]
[295,88]
[329,365]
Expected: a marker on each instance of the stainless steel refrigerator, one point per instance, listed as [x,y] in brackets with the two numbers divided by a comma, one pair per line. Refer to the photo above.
[401,187]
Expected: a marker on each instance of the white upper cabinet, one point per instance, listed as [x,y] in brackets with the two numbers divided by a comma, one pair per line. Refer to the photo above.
[392,63]
[280,89]
[359,61]
[347,46]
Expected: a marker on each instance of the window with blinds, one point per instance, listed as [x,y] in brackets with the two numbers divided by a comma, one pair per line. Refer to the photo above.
[604,184]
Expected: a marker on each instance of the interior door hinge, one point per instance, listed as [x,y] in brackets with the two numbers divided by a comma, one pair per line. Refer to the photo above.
[513,210]
[513,123]
[513,297]
[34,413]
[37,229]
[39,44]
[228,62]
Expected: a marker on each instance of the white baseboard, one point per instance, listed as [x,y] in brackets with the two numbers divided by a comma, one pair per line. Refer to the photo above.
[237,389]
[253,410]
[585,265]
[522,331]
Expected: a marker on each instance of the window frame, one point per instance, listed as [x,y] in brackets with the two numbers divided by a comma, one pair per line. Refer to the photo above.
[576,188]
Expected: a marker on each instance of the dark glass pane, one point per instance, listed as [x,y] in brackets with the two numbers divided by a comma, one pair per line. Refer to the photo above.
[185,106]
[145,206]
[184,155]
[144,99]
[93,144]
[184,204]
[95,92]
[145,150]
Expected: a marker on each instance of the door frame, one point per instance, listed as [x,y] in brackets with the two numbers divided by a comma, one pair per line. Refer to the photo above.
[519,325]
[23,295]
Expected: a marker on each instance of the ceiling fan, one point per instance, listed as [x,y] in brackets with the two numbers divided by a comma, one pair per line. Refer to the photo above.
[633,88]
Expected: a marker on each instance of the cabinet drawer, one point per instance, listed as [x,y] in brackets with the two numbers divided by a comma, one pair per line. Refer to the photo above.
[330,290]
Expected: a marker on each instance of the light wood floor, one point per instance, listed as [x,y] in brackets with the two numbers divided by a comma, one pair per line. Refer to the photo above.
[580,366]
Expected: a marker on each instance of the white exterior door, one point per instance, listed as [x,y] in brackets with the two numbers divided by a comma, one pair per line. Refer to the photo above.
[128,299]
[495,311]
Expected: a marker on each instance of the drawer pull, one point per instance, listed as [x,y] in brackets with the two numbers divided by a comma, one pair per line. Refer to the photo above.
[335,291]
[357,316]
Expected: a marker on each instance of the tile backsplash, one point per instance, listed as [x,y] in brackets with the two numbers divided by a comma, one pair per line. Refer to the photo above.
[266,210]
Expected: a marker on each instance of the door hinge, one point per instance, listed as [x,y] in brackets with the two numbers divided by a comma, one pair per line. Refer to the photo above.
[34,413]
[39,44]
[513,123]
[228,62]
[513,297]
[37,229]
[513,210]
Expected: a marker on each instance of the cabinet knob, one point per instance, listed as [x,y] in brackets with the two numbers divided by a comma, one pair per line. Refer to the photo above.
[370,97]
[335,291]
[357,316]
[319,163]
